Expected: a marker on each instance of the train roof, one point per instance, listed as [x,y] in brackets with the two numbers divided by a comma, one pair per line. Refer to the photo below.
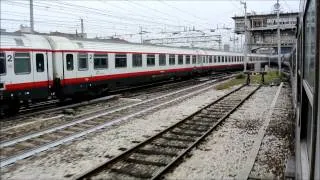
[24,41]
[49,42]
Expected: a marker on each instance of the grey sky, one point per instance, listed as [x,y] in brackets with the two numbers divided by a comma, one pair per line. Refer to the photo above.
[124,18]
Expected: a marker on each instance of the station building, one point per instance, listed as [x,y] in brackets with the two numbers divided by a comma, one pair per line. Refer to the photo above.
[262,31]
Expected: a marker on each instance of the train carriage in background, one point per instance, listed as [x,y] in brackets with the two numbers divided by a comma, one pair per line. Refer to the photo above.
[26,70]
[38,67]
[82,65]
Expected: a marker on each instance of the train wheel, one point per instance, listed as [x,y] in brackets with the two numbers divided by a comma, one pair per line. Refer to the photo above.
[13,108]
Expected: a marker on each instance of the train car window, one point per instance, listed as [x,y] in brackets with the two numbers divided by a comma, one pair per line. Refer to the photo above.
[162,59]
[210,59]
[40,62]
[309,44]
[218,58]
[172,59]
[180,59]
[187,59]
[204,59]
[222,59]
[151,60]
[121,60]
[136,60]
[83,62]
[214,59]
[2,63]
[69,60]
[194,59]
[100,61]
[22,64]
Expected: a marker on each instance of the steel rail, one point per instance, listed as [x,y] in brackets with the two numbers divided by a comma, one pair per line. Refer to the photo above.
[46,146]
[147,141]
[52,129]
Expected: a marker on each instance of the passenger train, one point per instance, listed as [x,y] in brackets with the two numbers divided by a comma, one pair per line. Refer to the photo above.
[36,67]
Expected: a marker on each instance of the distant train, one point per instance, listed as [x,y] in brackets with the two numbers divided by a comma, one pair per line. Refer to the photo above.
[37,67]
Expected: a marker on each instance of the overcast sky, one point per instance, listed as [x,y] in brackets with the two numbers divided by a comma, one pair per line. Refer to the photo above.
[126,18]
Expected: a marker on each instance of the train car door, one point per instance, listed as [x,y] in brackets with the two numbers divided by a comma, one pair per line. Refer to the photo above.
[69,73]
[40,74]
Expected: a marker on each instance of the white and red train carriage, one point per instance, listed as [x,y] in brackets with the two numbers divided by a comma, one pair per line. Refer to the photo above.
[25,69]
[34,67]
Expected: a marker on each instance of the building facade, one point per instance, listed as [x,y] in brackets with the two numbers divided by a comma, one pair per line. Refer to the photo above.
[262,31]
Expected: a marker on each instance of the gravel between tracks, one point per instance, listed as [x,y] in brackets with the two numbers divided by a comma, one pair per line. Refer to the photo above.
[276,145]
[66,161]
[223,155]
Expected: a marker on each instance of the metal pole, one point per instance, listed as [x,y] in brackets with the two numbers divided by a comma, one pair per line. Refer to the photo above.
[277,6]
[245,37]
[82,27]
[141,34]
[31,16]
[234,42]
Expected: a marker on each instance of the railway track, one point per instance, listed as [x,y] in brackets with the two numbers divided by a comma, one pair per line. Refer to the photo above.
[14,149]
[43,119]
[153,157]
[51,107]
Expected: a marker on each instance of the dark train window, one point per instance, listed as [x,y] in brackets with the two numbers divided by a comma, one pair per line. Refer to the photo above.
[309,44]
[218,58]
[194,59]
[172,59]
[136,60]
[204,59]
[100,61]
[210,59]
[222,59]
[121,60]
[162,59]
[180,59]
[22,64]
[187,59]
[83,62]
[151,60]
[214,59]
[69,60]
[2,63]
[40,62]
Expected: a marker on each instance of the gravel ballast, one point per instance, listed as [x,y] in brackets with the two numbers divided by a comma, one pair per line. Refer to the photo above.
[69,160]
[225,152]
[276,145]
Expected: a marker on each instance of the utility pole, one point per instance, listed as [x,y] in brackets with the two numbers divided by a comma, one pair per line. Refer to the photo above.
[277,7]
[31,16]
[245,36]
[141,34]
[82,28]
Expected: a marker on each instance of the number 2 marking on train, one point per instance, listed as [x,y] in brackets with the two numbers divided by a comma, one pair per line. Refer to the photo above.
[9,57]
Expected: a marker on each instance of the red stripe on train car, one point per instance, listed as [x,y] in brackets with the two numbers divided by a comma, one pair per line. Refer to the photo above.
[32,85]
[28,85]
